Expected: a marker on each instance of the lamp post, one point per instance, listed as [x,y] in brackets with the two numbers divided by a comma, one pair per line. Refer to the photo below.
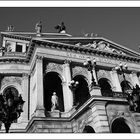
[90,64]
[10,108]
[121,67]
[73,85]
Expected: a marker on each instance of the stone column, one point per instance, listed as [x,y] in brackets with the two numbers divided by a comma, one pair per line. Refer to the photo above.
[99,114]
[25,95]
[67,93]
[39,111]
[115,81]
[134,79]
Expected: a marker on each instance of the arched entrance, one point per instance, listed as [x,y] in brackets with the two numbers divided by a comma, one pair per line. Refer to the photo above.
[105,87]
[53,83]
[88,129]
[120,126]
[81,93]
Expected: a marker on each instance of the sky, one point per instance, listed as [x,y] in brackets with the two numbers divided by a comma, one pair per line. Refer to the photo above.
[118,24]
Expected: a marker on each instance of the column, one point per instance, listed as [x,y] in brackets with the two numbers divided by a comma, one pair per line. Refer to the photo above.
[67,93]
[39,88]
[115,81]
[25,95]
[134,79]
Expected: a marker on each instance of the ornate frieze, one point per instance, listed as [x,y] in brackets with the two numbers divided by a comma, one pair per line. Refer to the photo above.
[103,74]
[11,79]
[79,71]
[101,45]
[54,68]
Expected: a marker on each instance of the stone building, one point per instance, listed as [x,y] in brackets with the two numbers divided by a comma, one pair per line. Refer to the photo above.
[86,100]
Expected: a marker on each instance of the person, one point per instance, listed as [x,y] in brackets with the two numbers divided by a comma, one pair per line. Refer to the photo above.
[54,101]
[38,27]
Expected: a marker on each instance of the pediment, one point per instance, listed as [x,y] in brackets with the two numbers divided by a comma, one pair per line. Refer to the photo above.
[100,44]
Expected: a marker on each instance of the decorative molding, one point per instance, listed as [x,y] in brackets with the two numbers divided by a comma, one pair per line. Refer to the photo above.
[39,58]
[67,61]
[103,74]
[54,68]
[11,79]
[79,71]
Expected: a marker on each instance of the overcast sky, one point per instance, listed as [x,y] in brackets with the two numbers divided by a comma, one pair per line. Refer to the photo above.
[121,25]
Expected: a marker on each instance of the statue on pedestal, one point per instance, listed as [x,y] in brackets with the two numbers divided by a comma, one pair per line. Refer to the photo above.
[61,28]
[38,27]
[54,101]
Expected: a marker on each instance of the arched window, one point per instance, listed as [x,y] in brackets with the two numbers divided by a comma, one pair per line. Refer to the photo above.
[120,126]
[81,93]
[88,129]
[12,93]
[53,83]
[11,90]
[125,85]
[105,87]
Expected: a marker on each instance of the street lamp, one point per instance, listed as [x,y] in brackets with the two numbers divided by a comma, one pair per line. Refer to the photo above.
[10,108]
[122,67]
[90,64]
[73,85]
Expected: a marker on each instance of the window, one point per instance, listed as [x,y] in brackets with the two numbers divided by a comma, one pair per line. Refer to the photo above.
[18,48]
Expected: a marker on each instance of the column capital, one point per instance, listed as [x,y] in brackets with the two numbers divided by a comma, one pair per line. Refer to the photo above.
[39,58]
[67,61]
[134,72]
[114,70]
[25,75]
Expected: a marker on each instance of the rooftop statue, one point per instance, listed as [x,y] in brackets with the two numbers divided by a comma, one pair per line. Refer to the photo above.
[61,28]
[38,27]
[10,28]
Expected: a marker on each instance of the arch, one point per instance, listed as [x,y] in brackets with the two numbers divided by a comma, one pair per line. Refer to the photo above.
[120,125]
[81,94]
[14,85]
[53,83]
[126,85]
[88,129]
[106,89]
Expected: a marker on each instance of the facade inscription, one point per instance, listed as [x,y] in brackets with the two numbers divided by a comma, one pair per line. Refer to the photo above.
[81,56]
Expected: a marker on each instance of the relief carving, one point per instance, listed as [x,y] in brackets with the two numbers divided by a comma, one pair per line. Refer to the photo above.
[103,74]
[11,79]
[54,67]
[79,71]
[101,45]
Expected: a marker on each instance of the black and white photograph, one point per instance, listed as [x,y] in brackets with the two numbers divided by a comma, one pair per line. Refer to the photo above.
[69,69]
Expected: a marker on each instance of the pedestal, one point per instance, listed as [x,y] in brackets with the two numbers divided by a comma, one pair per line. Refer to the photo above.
[95,90]
[55,113]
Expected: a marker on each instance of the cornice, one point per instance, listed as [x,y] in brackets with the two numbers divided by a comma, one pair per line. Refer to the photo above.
[9,35]
[84,50]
